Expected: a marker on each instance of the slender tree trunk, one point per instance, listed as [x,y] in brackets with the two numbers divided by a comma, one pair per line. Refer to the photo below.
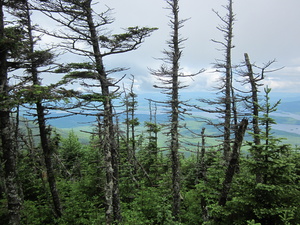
[228,84]
[10,173]
[113,209]
[44,132]
[255,111]
[132,109]
[201,174]
[267,133]
[254,93]
[7,142]
[175,113]
[130,127]
[233,163]
[127,127]
[47,153]
[133,105]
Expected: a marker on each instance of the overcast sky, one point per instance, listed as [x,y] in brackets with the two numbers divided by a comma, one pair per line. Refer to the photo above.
[265,29]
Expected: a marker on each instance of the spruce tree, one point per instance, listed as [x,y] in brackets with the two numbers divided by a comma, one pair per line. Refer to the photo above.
[273,199]
[33,93]
[8,45]
[85,26]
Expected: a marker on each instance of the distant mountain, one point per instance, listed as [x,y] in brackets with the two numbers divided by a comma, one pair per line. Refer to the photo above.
[71,121]
[287,116]
[292,107]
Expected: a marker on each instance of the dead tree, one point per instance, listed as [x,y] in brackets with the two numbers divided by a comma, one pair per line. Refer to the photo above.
[253,79]
[131,122]
[225,66]
[234,162]
[169,75]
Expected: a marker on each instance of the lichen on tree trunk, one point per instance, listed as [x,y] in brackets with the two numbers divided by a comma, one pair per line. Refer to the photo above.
[6,132]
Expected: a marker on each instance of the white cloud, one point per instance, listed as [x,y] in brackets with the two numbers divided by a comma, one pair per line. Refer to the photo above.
[202,82]
[269,34]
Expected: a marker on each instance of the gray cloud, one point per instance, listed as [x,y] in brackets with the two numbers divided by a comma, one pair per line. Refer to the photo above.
[267,30]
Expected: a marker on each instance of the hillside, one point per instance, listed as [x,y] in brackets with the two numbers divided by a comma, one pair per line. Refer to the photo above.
[287,118]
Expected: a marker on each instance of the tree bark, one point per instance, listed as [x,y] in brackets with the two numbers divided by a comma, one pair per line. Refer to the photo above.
[10,173]
[47,153]
[6,132]
[254,96]
[201,174]
[113,209]
[44,132]
[228,83]
[255,111]
[175,112]
[233,163]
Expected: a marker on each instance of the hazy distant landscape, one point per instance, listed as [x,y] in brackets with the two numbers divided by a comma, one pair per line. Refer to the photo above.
[287,117]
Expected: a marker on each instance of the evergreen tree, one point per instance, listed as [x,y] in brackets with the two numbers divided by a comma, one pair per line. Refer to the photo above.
[36,94]
[274,199]
[169,75]
[252,102]
[71,154]
[9,41]
[86,26]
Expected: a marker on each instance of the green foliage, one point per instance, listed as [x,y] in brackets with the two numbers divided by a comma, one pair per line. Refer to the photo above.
[129,40]
[134,122]
[94,97]
[73,71]
[33,180]
[80,206]
[203,196]
[41,58]
[152,127]
[252,222]
[35,213]
[13,41]
[270,193]
[70,153]
[34,93]
[3,211]
[81,75]
[74,66]
[151,206]
[192,207]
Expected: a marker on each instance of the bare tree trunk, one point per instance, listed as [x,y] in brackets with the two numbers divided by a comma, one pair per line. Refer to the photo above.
[175,112]
[113,209]
[133,125]
[48,152]
[201,174]
[43,131]
[234,162]
[172,75]
[228,83]
[6,132]
[254,96]
[255,111]
[10,174]
[127,125]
